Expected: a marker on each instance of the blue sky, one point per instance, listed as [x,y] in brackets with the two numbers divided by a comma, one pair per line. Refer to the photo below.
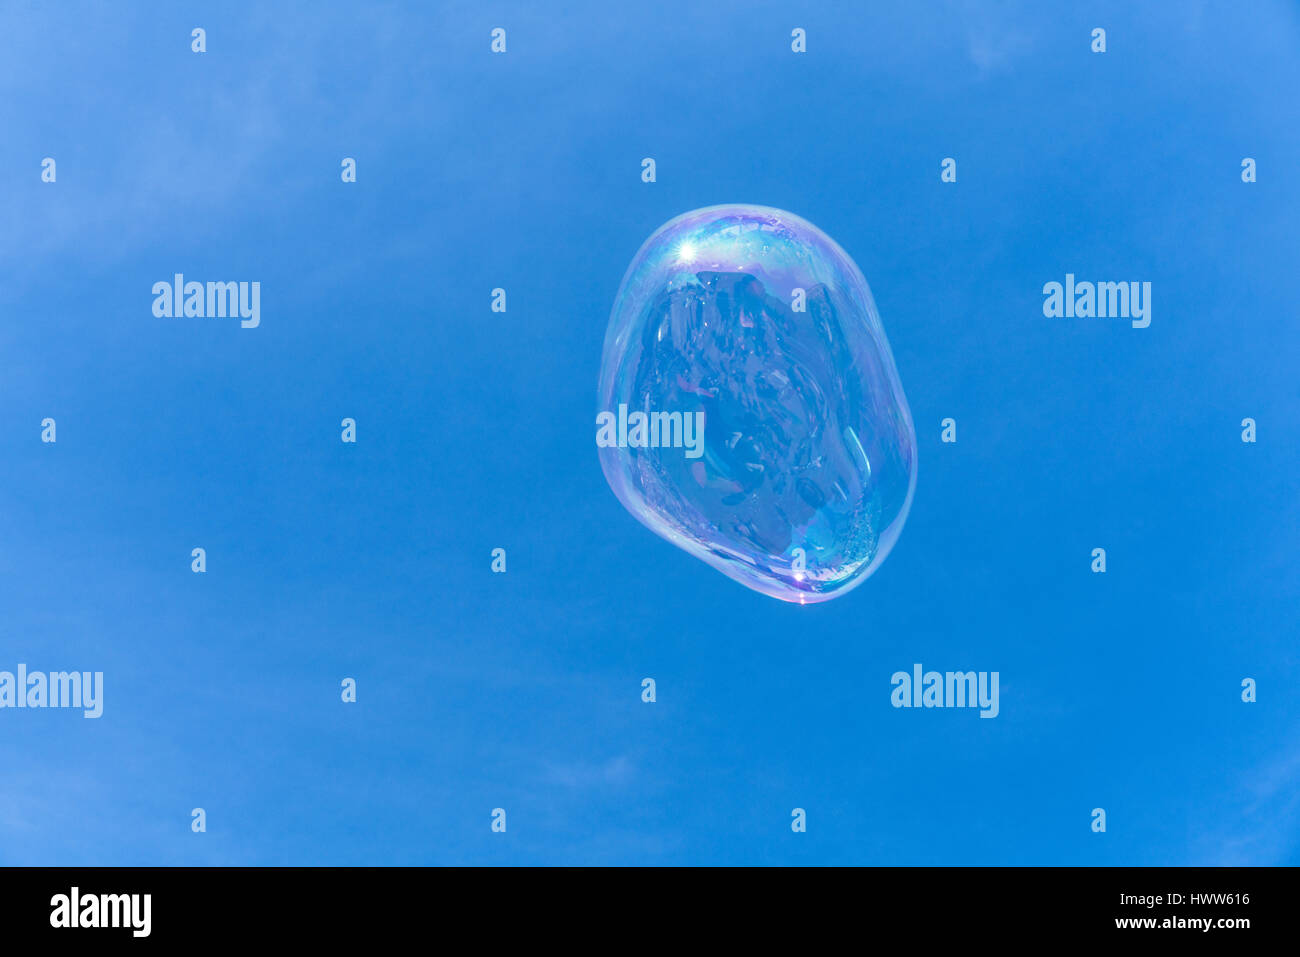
[476,431]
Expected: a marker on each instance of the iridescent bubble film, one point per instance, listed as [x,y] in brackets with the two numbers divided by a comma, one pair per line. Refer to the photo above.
[802,475]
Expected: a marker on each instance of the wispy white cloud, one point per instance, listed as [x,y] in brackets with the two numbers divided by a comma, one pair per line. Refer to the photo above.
[993,48]
[616,772]
[1262,827]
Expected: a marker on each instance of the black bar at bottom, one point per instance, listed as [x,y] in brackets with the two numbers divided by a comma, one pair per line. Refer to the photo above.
[334,906]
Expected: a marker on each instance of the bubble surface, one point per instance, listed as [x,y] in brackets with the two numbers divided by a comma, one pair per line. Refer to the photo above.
[804,474]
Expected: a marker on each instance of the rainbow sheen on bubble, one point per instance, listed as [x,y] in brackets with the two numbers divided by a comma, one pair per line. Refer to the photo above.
[808,458]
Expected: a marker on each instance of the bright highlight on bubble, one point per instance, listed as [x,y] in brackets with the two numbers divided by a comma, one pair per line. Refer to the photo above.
[799,481]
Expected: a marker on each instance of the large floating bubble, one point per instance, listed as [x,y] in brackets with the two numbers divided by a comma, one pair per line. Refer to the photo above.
[749,408]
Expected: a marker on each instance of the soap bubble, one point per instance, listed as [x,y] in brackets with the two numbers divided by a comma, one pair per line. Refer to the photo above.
[802,478]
